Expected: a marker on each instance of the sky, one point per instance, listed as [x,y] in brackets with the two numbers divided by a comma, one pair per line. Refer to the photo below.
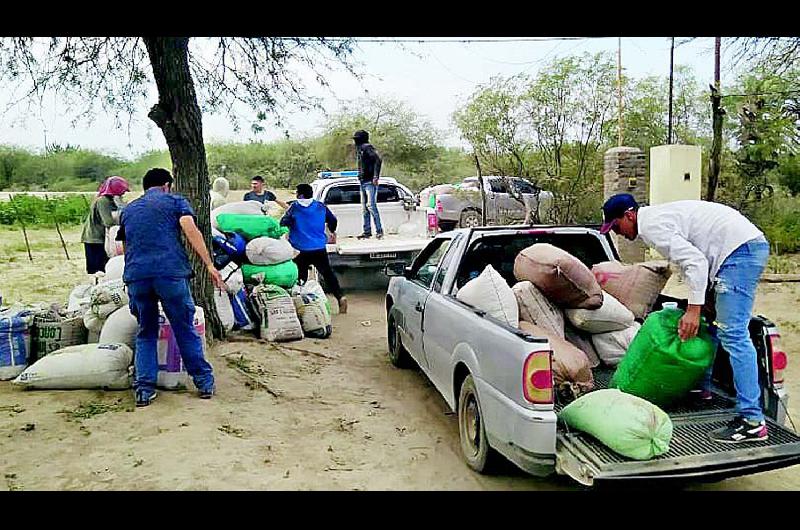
[433,78]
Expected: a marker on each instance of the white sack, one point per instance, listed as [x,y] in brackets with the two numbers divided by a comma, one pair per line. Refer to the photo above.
[490,292]
[611,316]
[83,366]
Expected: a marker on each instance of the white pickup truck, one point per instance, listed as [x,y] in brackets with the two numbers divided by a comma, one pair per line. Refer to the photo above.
[485,370]
[404,225]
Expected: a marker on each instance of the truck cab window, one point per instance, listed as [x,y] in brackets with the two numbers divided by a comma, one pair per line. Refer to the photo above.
[427,264]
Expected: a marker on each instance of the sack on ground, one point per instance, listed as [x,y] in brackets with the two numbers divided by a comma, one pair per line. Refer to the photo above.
[51,331]
[582,341]
[283,274]
[242,311]
[80,298]
[658,366]
[490,292]
[313,309]
[572,373]
[611,316]
[236,207]
[611,347]
[171,370]
[15,342]
[534,307]
[222,300]
[277,314]
[87,366]
[626,424]
[268,251]
[636,286]
[251,226]
[111,245]
[115,268]
[120,327]
[233,278]
[562,277]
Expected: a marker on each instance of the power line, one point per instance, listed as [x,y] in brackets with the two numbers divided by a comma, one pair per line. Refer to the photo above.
[762,94]
[427,40]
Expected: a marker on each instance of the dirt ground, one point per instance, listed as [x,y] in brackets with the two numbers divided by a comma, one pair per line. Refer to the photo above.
[308,415]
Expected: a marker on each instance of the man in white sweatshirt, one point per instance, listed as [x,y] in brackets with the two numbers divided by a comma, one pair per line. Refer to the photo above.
[710,242]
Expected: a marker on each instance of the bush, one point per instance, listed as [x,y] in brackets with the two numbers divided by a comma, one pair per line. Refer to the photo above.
[34,210]
[779,218]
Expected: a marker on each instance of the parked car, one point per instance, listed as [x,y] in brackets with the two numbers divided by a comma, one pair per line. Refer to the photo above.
[484,369]
[459,205]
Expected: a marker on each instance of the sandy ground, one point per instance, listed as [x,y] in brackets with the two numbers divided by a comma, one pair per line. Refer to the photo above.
[307,415]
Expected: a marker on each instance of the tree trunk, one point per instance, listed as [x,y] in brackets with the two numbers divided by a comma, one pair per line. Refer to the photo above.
[716,145]
[178,116]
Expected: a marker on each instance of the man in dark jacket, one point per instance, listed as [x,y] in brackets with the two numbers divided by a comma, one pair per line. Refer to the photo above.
[369,170]
[157,270]
[306,219]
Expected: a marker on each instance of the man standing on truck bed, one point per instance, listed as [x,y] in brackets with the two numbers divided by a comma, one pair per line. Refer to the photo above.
[258,193]
[306,219]
[709,241]
[369,169]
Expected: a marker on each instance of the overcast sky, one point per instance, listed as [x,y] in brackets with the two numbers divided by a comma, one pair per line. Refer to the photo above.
[433,78]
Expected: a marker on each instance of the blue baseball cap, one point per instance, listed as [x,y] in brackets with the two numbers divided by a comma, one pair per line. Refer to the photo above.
[614,208]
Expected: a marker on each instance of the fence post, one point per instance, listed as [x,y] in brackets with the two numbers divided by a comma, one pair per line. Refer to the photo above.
[55,220]
[22,222]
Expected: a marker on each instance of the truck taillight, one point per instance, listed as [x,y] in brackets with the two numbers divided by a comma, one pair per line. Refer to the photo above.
[537,377]
[779,359]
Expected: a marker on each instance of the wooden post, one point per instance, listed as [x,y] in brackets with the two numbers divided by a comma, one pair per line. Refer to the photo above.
[21,222]
[620,135]
[671,80]
[55,220]
[483,190]
[717,114]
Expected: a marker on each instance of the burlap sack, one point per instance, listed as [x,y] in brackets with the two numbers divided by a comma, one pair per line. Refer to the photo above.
[611,347]
[583,341]
[572,374]
[611,316]
[562,277]
[537,309]
[635,286]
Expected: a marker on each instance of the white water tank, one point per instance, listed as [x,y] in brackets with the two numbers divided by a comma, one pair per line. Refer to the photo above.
[675,173]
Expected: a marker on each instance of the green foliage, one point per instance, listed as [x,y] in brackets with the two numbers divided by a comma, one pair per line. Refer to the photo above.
[778,218]
[34,210]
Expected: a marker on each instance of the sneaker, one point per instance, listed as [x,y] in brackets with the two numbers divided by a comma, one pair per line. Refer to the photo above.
[144,398]
[364,236]
[740,430]
[701,398]
[343,305]
[207,393]
[379,236]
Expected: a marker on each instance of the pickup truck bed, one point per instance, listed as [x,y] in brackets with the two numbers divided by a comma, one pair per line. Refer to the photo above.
[690,447]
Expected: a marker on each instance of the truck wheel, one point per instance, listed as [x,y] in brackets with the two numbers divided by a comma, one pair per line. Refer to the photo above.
[471,431]
[398,355]
[470,219]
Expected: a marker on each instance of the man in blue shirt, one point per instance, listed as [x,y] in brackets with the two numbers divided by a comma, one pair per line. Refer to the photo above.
[258,192]
[157,269]
[306,219]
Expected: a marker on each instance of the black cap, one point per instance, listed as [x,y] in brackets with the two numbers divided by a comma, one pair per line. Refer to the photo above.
[361,136]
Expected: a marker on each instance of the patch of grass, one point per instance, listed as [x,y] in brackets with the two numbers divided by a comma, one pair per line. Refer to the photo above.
[783,264]
[84,411]
[230,430]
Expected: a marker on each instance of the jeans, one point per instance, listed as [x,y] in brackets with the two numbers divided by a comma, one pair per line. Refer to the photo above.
[319,259]
[369,206]
[736,285]
[176,299]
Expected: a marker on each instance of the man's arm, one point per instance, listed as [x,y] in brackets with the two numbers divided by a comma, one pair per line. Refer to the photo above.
[330,220]
[195,239]
[280,203]
[288,218]
[694,265]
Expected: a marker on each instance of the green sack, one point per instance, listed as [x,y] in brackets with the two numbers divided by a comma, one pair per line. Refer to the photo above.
[626,424]
[658,366]
[251,226]
[283,274]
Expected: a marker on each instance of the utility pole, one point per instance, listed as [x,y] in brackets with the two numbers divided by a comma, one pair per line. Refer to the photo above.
[671,80]
[620,136]
[717,113]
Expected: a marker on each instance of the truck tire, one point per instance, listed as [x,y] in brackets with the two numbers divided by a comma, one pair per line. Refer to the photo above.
[470,218]
[474,444]
[398,355]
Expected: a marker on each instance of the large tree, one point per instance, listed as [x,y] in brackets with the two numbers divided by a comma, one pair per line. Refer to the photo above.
[258,72]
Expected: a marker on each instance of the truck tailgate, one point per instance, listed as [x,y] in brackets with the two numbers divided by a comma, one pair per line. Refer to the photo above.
[389,244]
[691,456]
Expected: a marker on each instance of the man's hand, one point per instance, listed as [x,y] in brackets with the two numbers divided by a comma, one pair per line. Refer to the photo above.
[216,278]
[332,238]
[375,181]
[690,322]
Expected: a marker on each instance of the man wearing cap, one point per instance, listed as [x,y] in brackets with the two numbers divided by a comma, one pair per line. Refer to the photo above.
[369,169]
[709,241]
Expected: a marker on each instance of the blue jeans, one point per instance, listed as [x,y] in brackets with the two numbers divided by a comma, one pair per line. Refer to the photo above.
[176,299]
[735,289]
[369,207]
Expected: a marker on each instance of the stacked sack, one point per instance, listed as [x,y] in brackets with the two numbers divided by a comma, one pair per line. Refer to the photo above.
[552,281]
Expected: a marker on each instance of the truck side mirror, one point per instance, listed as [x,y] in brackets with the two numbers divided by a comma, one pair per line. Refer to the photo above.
[409,204]
[396,268]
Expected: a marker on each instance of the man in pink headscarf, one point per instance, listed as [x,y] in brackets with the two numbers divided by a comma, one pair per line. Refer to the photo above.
[103,214]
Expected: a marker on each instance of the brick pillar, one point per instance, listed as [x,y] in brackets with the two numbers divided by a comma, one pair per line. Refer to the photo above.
[625,171]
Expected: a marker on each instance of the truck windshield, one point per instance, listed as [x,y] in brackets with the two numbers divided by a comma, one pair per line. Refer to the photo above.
[501,250]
